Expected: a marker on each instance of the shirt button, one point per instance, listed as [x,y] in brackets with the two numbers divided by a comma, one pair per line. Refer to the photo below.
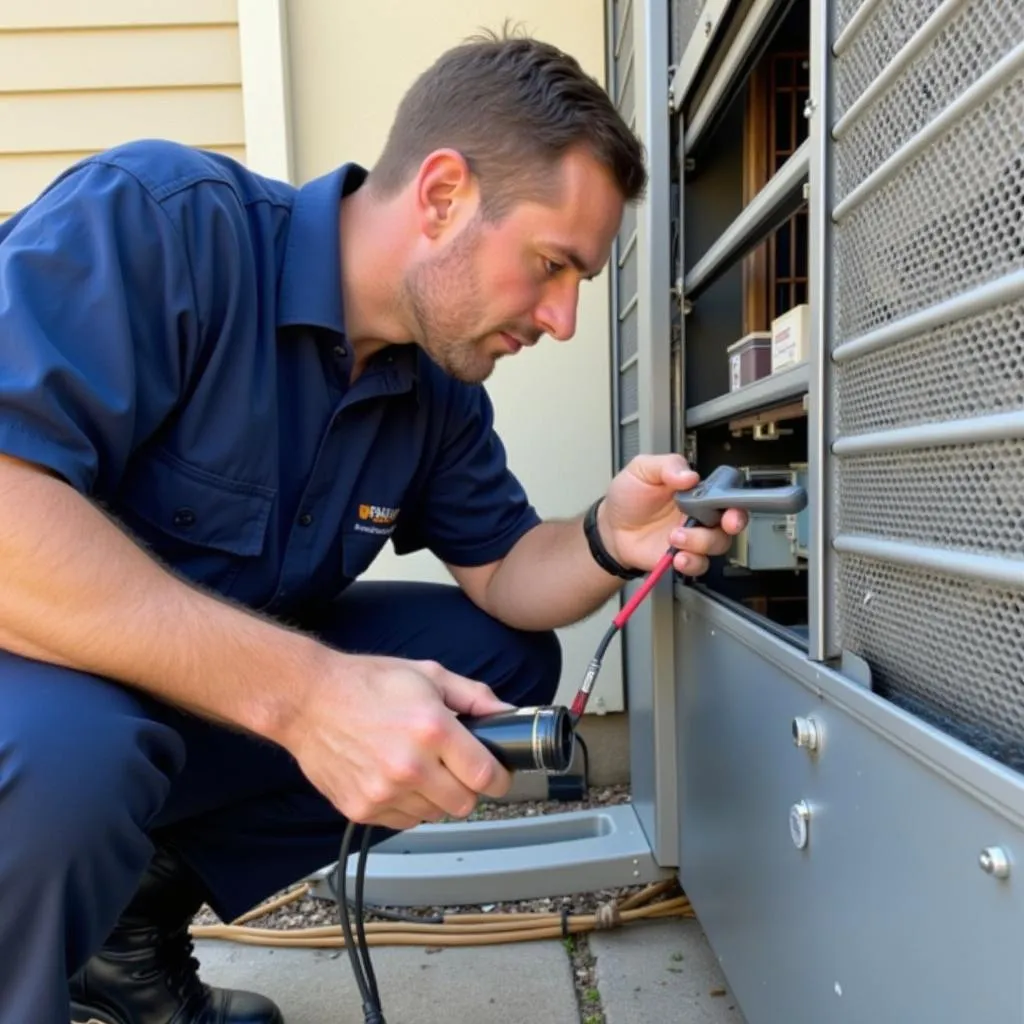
[184,517]
[305,519]
[340,351]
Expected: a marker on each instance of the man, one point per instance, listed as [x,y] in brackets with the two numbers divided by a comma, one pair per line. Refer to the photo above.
[219,397]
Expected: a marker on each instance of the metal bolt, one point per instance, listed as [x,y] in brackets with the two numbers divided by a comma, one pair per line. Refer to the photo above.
[799,824]
[995,862]
[806,733]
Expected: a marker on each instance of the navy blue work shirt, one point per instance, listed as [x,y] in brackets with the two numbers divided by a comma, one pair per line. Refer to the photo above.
[173,346]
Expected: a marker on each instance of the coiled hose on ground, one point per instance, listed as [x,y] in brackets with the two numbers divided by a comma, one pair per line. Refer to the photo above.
[656,902]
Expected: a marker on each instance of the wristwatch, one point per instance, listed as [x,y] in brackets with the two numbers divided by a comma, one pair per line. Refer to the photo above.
[600,552]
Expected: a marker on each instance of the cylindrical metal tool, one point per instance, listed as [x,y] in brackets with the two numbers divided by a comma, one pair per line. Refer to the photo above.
[528,739]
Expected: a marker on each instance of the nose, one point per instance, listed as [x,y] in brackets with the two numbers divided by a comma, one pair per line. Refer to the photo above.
[556,314]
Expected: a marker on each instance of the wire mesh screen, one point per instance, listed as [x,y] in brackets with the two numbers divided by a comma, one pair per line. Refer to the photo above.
[684,17]
[901,385]
[928,183]
[947,649]
[964,48]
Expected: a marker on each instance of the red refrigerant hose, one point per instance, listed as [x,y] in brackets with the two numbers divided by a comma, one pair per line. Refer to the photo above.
[579,702]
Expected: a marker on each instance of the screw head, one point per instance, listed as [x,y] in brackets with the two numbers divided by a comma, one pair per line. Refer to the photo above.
[994,861]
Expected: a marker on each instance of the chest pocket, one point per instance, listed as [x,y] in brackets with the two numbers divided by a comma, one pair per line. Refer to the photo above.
[204,525]
[361,545]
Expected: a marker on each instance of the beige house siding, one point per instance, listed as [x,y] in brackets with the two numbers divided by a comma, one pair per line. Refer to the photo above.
[350,63]
[78,76]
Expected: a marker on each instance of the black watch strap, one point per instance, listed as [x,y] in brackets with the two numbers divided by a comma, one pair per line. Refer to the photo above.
[600,552]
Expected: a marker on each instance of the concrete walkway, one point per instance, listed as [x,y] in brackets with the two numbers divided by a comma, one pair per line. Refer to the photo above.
[647,973]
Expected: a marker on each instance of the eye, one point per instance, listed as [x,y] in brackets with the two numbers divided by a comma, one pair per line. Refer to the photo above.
[551,267]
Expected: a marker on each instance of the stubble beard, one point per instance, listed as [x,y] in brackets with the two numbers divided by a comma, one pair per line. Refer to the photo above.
[443,299]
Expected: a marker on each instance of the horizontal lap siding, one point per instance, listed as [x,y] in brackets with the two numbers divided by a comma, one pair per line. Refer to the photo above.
[77,78]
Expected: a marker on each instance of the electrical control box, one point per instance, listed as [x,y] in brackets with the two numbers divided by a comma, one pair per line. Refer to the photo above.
[772,540]
[765,544]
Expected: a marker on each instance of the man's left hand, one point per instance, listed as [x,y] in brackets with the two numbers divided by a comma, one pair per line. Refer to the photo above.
[639,519]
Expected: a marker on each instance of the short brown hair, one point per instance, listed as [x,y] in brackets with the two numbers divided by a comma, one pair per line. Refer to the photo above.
[511,106]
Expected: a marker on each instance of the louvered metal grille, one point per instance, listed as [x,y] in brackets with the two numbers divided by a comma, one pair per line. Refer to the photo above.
[947,649]
[623,84]
[961,497]
[876,44]
[949,220]
[960,52]
[928,180]
[949,369]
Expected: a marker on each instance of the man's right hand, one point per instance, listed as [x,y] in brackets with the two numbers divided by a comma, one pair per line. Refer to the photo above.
[379,738]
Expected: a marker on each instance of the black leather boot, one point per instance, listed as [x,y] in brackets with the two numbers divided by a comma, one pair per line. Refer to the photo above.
[146,973]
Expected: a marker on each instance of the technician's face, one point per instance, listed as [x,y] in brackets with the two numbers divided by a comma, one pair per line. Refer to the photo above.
[494,288]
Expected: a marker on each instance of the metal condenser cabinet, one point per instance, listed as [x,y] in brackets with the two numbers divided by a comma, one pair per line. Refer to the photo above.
[847,737]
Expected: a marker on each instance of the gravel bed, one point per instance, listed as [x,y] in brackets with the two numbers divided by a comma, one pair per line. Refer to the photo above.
[309,911]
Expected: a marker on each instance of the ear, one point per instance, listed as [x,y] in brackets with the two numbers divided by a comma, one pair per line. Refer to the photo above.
[446,192]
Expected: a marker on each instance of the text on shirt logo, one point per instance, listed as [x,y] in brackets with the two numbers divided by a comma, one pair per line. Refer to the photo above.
[379,519]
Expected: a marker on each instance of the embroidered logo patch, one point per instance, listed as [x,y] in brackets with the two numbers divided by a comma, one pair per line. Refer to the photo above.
[377,519]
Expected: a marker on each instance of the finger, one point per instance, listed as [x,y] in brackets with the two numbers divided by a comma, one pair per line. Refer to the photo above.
[397,821]
[734,521]
[700,540]
[689,564]
[465,696]
[424,808]
[473,765]
[411,809]
[671,469]
[460,802]
[696,540]
[443,794]
[384,814]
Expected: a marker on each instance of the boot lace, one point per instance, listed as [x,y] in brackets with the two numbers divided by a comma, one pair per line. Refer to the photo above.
[180,968]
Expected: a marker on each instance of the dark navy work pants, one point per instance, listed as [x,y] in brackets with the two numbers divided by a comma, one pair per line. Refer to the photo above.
[93,774]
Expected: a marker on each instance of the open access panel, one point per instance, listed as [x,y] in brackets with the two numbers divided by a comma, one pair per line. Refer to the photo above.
[845,200]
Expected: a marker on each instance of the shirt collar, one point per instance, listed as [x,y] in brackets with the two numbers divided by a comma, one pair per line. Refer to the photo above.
[309,290]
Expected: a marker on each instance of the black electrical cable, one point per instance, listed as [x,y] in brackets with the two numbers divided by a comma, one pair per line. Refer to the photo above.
[360,959]
[331,881]
[371,978]
[586,762]
[366,982]
[608,637]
